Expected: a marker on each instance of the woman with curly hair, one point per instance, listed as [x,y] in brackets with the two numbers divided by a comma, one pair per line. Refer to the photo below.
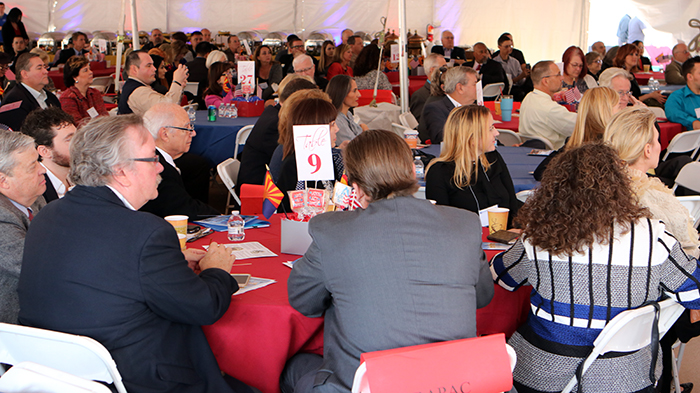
[470,173]
[590,251]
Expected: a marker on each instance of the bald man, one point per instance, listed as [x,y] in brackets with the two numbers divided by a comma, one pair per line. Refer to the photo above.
[673,73]
[448,49]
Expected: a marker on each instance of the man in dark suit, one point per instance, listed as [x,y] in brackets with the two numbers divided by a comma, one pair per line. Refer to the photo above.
[52,130]
[170,127]
[198,67]
[389,292]
[448,49]
[460,89]
[420,96]
[80,42]
[21,186]
[28,94]
[489,69]
[124,280]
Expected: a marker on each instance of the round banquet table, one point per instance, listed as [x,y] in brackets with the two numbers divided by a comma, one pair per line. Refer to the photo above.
[57,76]
[261,331]
[216,140]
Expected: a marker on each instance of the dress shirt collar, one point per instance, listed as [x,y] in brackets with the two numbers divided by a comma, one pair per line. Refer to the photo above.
[687,92]
[25,210]
[56,182]
[120,196]
[138,80]
[168,158]
[542,94]
[40,96]
[455,103]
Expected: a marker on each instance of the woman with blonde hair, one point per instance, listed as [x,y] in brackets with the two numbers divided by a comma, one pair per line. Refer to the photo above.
[470,173]
[341,62]
[596,108]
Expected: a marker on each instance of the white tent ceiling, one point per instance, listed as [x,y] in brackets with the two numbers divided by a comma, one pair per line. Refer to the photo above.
[541,28]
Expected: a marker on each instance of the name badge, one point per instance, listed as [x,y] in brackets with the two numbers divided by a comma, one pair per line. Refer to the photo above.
[92,112]
[697,113]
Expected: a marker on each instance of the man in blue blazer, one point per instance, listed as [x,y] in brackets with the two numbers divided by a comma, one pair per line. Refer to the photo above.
[95,266]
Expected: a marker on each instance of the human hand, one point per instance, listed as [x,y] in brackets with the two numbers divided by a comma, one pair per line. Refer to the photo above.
[696,125]
[657,96]
[193,256]
[364,126]
[180,74]
[217,257]
[636,102]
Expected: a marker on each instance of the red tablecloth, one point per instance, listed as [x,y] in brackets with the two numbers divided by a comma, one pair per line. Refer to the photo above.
[643,77]
[414,83]
[260,330]
[57,76]
[667,131]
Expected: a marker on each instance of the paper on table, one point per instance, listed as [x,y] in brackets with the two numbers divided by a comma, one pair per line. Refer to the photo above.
[494,246]
[484,215]
[248,250]
[289,264]
[255,283]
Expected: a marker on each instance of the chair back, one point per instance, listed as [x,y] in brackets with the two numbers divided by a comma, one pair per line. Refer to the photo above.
[631,331]
[241,137]
[488,368]
[192,87]
[524,195]
[684,142]
[102,83]
[366,96]
[692,203]
[689,176]
[547,143]
[32,377]
[493,90]
[408,120]
[399,129]
[77,355]
[508,137]
[228,172]
[659,112]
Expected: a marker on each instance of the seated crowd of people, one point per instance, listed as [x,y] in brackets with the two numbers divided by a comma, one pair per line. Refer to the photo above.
[598,236]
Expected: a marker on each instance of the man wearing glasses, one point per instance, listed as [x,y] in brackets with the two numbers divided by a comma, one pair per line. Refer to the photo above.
[29,93]
[96,267]
[304,65]
[540,116]
[296,48]
[170,127]
[673,74]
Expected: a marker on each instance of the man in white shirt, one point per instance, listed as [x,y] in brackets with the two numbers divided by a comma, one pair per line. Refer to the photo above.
[52,130]
[540,116]
[21,185]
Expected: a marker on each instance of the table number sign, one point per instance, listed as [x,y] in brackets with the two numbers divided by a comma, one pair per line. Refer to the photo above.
[312,145]
[479,94]
[395,54]
[246,72]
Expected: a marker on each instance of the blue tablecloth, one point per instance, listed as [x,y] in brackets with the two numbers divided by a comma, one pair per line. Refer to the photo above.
[216,140]
[520,164]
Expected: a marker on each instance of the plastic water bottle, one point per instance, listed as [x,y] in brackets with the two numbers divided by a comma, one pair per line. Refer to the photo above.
[420,169]
[236,227]
[234,111]
[229,111]
[222,110]
[653,84]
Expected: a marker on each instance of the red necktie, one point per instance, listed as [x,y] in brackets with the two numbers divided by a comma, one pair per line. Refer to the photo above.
[31,216]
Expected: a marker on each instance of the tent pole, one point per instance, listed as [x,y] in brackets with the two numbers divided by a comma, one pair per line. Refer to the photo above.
[134,27]
[403,62]
[120,45]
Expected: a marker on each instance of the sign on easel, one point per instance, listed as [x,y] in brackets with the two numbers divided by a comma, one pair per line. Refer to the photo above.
[246,72]
[395,54]
[312,145]
[479,94]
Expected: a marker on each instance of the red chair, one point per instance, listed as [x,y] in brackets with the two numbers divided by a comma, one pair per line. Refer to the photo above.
[252,199]
[382,96]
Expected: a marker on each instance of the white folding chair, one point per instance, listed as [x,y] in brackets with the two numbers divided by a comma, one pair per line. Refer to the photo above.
[659,112]
[524,195]
[508,137]
[692,203]
[408,120]
[545,141]
[32,377]
[676,363]
[102,83]
[684,142]
[399,129]
[493,90]
[241,137]
[192,87]
[228,172]
[77,355]
[630,331]
[689,176]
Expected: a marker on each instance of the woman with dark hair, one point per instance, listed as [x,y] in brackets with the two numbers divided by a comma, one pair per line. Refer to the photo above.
[576,71]
[590,251]
[160,84]
[341,62]
[627,58]
[643,60]
[12,28]
[594,63]
[326,58]
[306,107]
[218,74]
[344,94]
[267,71]
[80,100]
[366,69]
[470,173]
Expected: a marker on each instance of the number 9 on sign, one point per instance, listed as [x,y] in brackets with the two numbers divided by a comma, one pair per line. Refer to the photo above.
[315,161]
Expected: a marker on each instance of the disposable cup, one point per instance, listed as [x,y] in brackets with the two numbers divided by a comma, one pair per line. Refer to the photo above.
[497,106]
[646,67]
[183,240]
[179,222]
[498,219]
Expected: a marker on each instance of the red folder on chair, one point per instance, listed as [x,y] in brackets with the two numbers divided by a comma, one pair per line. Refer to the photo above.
[252,199]
[479,364]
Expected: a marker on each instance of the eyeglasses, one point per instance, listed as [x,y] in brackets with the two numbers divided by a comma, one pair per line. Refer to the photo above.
[189,129]
[307,69]
[549,76]
[297,46]
[599,61]
[146,159]
[624,93]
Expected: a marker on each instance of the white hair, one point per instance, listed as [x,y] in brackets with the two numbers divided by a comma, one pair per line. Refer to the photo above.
[300,60]
[215,56]
[12,142]
[606,77]
[161,115]
[430,62]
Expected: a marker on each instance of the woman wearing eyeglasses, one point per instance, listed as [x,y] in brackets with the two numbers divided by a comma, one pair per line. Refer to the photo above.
[470,173]
[594,63]
[576,71]
[341,62]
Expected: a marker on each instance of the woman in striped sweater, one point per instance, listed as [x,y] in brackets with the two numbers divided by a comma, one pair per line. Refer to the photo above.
[590,251]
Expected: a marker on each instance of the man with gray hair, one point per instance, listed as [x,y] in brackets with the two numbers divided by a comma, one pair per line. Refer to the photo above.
[21,185]
[125,281]
[540,116]
[420,96]
[673,74]
[460,89]
[304,65]
[170,127]
[618,79]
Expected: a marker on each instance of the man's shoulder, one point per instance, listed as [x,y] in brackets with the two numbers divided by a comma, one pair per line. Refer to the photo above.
[682,93]
[17,93]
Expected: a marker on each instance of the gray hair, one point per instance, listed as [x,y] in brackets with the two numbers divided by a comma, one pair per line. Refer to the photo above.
[430,62]
[161,115]
[12,142]
[214,56]
[606,77]
[300,59]
[457,75]
[100,146]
